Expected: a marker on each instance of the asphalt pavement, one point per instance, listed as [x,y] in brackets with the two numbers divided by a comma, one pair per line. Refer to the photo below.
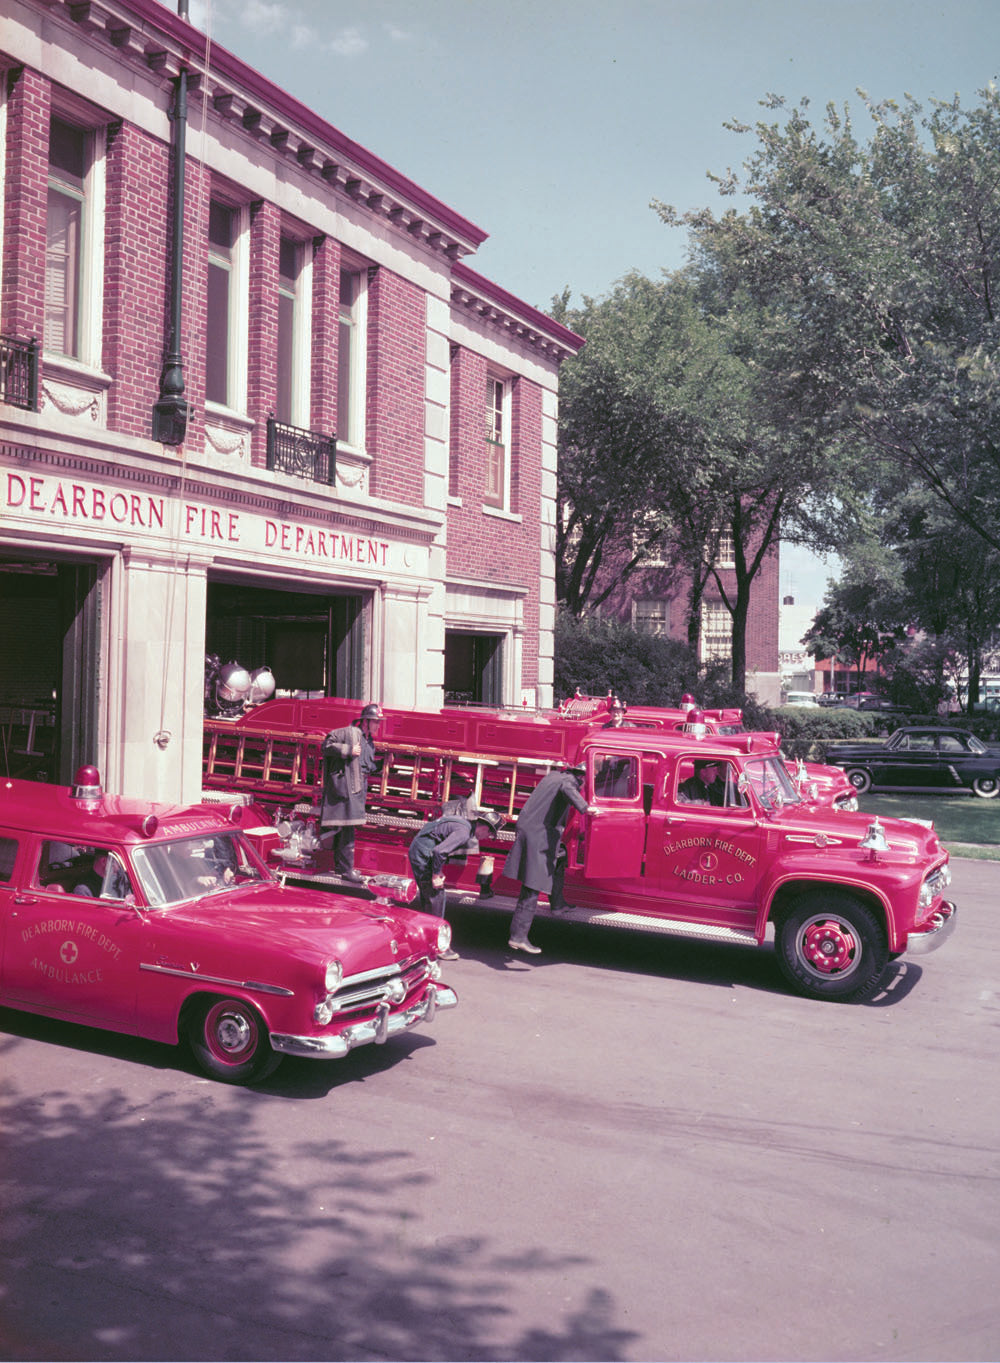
[628,1148]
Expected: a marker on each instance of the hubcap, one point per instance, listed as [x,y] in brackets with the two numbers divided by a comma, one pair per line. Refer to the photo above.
[829,946]
[230,1033]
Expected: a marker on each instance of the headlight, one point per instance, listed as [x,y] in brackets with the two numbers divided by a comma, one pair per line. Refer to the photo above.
[333,977]
[444,935]
[935,884]
[848,806]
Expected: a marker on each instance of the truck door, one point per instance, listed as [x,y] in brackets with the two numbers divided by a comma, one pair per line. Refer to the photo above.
[704,843]
[616,837]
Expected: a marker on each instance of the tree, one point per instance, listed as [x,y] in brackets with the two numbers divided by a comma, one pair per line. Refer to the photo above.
[677,361]
[877,265]
[864,612]
[952,582]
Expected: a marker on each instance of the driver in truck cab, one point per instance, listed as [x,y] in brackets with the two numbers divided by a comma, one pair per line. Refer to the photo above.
[707,786]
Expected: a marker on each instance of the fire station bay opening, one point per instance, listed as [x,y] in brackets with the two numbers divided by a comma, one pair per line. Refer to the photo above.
[50,665]
[473,668]
[313,643]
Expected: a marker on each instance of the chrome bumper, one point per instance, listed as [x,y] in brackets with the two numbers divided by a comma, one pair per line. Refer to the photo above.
[942,926]
[376,1030]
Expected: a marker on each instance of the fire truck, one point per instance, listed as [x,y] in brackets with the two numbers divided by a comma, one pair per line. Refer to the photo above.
[821,783]
[840,894]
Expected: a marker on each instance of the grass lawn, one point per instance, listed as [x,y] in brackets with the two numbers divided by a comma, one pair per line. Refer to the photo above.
[967,826]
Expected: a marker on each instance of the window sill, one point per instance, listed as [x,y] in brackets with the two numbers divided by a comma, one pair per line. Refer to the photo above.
[74,389]
[502,515]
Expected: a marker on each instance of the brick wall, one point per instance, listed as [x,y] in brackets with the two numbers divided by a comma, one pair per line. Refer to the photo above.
[325,312]
[262,368]
[397,346]
[136,276]
[496,548]
[25,197]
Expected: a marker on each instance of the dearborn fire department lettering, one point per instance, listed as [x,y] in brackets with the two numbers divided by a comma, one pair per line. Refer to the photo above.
[84,503]
[65,925]
[81,502]
[326,544]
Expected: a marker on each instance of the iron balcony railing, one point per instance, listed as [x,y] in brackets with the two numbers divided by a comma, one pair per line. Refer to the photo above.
[303,454]
[19,373]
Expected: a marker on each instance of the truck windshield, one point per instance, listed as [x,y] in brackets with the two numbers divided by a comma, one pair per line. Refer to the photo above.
[771,783]
[190,868]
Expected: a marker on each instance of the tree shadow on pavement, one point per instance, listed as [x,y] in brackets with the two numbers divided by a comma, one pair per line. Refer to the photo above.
[168,1228]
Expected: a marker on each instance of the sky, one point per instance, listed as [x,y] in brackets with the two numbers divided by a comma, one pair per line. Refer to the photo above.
[553,124]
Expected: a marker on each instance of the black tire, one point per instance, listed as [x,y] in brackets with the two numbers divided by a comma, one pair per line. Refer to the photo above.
[831,946]
[859,779]
[230,1042]
[986,787]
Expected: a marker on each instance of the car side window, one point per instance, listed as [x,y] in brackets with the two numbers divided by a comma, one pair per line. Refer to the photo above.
[949,743]
[8,855]
[922,743]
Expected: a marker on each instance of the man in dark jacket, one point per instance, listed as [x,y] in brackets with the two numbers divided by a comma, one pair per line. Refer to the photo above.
[535,858]
[348,760]
[435,843]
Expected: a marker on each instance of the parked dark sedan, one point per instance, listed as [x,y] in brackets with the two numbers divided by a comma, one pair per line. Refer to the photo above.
[921,759]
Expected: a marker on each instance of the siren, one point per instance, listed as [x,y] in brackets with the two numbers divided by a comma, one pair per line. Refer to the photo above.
[87,784]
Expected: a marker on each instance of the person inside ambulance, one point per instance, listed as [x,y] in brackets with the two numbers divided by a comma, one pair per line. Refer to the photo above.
[104,878]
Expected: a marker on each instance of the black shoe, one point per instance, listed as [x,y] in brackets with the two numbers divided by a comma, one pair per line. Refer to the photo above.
[353,876]
[485,892]
[561,908]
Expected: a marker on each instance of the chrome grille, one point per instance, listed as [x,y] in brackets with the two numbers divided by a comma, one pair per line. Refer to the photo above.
[365,991]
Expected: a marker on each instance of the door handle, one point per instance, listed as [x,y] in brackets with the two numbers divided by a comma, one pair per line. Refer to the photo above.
[25,899]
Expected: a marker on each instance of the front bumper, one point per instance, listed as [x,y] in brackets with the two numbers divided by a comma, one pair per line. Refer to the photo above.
[941,928]
[375,1031]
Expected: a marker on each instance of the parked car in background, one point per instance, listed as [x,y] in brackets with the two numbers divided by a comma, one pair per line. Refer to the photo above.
[801,698]
[927,758]
[165,922]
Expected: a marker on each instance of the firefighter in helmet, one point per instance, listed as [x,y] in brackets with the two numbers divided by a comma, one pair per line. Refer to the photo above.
[348,760]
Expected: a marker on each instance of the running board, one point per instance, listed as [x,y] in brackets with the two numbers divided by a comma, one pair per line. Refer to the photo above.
[620,918]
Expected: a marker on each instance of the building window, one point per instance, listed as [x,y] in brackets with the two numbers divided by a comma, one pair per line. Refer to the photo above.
[66,273]
[497,462]
[292,401]
[716,632]
[651,615]
[225,321]
[351,359]
[651,539]
[726,555]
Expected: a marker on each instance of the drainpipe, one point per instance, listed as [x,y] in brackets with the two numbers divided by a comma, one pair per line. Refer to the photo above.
[170,411]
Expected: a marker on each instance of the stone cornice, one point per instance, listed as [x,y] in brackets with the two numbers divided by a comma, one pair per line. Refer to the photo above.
[145,34]
[488,303]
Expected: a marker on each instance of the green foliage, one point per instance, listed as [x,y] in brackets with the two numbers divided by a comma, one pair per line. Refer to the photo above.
[878,266]
[805,732]
[596,656]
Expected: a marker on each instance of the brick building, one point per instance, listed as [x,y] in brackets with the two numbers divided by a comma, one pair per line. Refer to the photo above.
[654,599]
[262,409]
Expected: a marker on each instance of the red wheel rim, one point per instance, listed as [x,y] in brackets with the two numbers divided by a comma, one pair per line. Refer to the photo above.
[231,1033]
[829,946]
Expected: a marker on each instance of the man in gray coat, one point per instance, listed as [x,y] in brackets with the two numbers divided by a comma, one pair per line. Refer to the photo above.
[348,760]
[535,858]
